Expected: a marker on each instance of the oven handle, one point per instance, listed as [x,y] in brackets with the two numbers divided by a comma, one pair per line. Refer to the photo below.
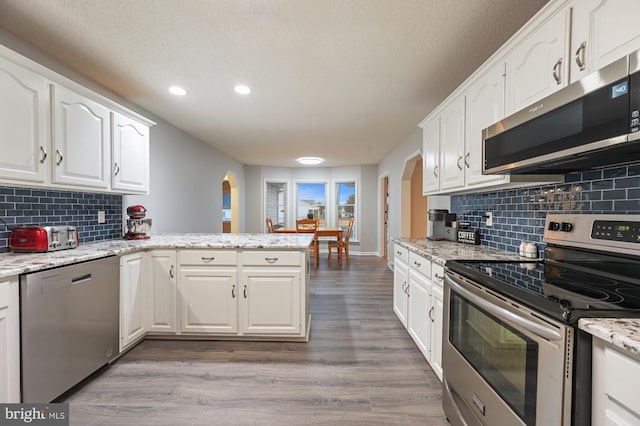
[504,314]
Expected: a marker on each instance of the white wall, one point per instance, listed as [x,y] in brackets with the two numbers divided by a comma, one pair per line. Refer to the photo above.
[393,165]
[186,174]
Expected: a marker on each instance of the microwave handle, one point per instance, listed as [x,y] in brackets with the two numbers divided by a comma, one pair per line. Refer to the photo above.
[502,313]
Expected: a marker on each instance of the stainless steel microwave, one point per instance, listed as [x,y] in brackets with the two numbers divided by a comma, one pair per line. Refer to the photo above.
[591,123]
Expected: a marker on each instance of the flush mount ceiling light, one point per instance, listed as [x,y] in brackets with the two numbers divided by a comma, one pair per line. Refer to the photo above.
[177,90]
[310,161]
[242,89]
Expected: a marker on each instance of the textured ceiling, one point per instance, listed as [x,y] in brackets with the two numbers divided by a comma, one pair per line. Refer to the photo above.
[346,80]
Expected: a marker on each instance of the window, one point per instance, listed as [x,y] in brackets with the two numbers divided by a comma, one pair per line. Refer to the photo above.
[311,201]
[346,204]
[276,203]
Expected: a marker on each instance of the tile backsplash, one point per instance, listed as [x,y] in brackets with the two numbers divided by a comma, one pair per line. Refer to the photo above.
[519,214]
[42,206]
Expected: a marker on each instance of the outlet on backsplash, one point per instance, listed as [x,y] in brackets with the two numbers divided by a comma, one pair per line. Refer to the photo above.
[489,217]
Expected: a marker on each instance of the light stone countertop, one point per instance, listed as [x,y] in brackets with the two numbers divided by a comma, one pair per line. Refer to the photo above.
[20,263]
[441,251]
[621,332]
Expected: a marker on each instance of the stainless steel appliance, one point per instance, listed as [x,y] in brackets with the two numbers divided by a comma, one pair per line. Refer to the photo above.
[138,227]
[441,225]
[591,123]
[69,326]
[512,352]
[43,238]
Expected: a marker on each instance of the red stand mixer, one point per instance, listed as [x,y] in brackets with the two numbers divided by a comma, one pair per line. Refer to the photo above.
[137,226]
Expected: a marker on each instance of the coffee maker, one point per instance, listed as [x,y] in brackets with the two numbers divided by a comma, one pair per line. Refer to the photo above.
[442,225]
[137,226]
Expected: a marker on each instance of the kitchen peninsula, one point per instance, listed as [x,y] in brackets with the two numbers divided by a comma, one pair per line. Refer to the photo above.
[181,286]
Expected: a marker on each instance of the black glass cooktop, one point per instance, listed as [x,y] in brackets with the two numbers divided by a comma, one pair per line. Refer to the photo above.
[566,288]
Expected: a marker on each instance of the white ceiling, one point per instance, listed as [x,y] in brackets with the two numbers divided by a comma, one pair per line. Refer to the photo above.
[346,80]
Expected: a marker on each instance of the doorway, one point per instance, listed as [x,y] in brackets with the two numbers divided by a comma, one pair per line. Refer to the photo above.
[384,215]
[413,205]
[230,204]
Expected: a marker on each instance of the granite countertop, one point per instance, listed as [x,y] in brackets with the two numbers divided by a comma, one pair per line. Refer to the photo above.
[441,251]
[20,263]
[621,332]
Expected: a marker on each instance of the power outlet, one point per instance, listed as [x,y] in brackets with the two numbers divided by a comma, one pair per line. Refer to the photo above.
[101,217]
[489,217]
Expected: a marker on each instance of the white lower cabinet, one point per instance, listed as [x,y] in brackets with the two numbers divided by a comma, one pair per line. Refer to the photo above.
[208,299]
[615,376]
[418,302]
[9,341]
[132,299]
[162,278]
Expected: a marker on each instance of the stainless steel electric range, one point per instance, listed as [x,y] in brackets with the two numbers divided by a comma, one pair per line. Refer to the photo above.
[512,350]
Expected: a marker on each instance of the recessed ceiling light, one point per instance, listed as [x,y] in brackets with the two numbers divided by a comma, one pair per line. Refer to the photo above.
[310,161]
[178,91]
[242,89]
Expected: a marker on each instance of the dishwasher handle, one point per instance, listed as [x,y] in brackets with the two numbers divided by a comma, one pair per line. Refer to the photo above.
[81,279]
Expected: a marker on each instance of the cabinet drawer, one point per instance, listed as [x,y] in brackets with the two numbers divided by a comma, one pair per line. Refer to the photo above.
[401,253]
[420,264]
[437,274]
[271,258]
[209,257]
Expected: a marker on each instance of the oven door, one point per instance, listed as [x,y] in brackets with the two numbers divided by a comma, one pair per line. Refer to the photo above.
[503,363]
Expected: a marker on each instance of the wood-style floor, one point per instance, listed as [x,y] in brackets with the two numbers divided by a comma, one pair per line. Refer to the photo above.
[360,367]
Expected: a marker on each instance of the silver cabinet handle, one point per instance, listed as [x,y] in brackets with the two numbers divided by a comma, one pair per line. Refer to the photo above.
[404,288]
[418,264]
[116,169]
[431,314]
[60,157]
[556,71]
[44,155]
[439,276]
[245,291]
[466,160]
[435,171]
[207,259]
[171,274]
[399,253]
[233,291]
[580,56]
[458,162]
[271,259]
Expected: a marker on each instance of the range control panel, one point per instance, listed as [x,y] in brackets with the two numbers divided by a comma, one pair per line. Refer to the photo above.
[612,230]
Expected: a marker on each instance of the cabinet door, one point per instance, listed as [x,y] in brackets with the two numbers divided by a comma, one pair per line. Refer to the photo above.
[24,141]
[418,322]
[484,107]
[400,282]
[270,301]
[9,341]
[538,66]
[132,299]
[431,156]
[161,312]
[436,317]
[80,139]
[452,144]
[130,171]
[602,31]
[208,300]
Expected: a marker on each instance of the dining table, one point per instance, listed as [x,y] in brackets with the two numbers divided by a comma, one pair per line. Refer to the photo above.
[322,232]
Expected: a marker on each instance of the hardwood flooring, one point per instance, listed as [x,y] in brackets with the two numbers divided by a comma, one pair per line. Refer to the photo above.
[360,367]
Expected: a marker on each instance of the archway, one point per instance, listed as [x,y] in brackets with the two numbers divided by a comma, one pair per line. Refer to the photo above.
[413,205]
[230,214]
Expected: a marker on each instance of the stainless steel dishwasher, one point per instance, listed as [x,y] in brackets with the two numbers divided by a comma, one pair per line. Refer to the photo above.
[70,319]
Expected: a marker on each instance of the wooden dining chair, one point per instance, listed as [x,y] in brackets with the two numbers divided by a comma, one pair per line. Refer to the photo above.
[342,246]
[270,225]
[308,226]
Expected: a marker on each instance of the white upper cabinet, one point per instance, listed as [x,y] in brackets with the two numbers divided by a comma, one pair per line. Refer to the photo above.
[538,66]
[452,144]
[24,141]
[80,140]
[431,155]
[601,32]
[130,169]
[484,106]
